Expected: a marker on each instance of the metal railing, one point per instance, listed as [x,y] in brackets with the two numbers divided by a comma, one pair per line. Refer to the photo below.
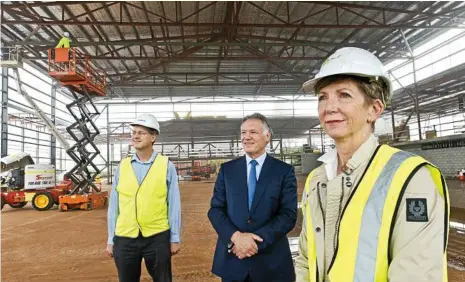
[78,63]
[10,57]
[203,153]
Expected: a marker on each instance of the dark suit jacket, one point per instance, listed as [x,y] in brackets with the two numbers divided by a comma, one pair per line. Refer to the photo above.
[273,214]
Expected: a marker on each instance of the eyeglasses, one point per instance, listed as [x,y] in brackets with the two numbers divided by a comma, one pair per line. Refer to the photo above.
[140,133]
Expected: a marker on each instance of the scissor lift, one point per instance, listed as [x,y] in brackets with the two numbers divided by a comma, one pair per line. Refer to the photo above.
[73,70]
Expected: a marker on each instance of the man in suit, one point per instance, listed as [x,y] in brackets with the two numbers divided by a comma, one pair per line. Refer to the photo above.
[254,206]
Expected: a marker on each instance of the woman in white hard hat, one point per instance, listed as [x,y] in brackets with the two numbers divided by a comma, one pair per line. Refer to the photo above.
[371,212]
[144,214]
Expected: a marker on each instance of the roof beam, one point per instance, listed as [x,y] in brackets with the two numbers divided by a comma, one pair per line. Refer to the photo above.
[251,83]
[23,13]
[150,41]
[198,58]
[148,11]
[181,56]
[386,39]
[118,30]
[88,11]
[20,34]
[82,29]
[46,4]
[263,56]
[52,33]
[266,12]
[369,7]
[207,73]
[311,15]
[239,25]
[239,101]
[98,31]
[198,11]
[155,49]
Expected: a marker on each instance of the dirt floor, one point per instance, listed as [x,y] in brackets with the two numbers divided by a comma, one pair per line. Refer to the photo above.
[55,246]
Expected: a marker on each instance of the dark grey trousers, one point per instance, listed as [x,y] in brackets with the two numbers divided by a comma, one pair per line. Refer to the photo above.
[156,251]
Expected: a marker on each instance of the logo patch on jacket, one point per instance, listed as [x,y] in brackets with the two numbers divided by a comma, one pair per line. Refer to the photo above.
[417,210]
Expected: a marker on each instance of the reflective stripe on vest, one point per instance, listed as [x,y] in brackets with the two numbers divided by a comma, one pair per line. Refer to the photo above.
[367,220]
[143,207]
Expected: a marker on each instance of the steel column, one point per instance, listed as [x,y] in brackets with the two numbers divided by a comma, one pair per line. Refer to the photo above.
[417,106]
[112,153]
[121,150]
[310,137]
[23,138]
[61,160]
[108,145]
[53,140]
[393,122]
[37,147]
[4,127]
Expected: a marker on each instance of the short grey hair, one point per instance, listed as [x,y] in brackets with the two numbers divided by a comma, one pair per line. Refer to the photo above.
[262,118]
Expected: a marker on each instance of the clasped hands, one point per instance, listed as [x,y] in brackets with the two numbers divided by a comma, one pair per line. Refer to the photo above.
[244,244]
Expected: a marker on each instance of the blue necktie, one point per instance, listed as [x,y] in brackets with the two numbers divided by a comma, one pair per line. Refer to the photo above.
[252,181]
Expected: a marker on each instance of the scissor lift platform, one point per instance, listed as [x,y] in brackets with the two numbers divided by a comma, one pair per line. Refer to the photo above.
[72,68]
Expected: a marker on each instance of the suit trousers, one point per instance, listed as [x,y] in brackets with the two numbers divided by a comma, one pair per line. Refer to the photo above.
[155,250]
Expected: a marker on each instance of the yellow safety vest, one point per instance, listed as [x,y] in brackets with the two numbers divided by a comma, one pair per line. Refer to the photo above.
[143,207]
[64,43]
[379,191]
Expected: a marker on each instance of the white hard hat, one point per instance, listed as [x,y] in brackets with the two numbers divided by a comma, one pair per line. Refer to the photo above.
[147,120]
[66,34]
[351,61]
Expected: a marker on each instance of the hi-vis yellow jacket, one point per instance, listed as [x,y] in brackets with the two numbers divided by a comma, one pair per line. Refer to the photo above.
[365,233]
[64,42]
[143,207]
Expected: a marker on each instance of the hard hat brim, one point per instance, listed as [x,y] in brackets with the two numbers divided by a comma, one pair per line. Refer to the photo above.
[309,86]
[144,125]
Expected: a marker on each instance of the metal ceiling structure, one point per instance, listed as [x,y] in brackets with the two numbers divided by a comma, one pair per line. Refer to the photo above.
[245,51]
[211,129]
[221,48]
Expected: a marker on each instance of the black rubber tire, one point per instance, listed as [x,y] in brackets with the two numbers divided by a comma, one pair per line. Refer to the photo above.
[3,202]
[18,205]
[45,208]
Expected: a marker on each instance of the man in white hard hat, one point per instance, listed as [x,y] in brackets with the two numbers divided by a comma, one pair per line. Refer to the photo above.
[64,41]
[144,214]
[370,212]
